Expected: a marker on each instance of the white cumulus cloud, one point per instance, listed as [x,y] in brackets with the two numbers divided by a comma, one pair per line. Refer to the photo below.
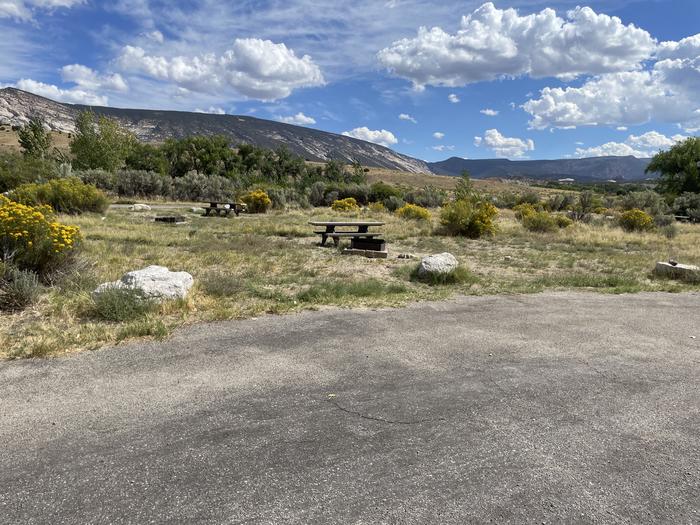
[255,68]
[72,96]
[641,146]
[510,147]
[489,112]
[381,137]
[439,135]
[453,98]
[89,79]
[406,116]
[494,43]
[299,119]
[443,147]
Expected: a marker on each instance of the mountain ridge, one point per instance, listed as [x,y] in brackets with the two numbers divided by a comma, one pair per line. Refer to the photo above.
[16,108]
[585,169]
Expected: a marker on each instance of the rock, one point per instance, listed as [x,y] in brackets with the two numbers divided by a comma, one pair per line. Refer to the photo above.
[155,282]
[441,263]
[682,272]
[140,207]
[195,209]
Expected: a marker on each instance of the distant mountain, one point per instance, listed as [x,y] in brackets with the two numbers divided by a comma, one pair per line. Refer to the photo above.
[16,107]
[588,169]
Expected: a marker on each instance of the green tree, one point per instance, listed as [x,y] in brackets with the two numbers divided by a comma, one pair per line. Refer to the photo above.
[208,155]
[147,157]
[464,189]
[100,143]
[35,139]
[678,167]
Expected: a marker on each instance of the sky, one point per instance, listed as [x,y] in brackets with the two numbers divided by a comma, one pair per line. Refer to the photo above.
[512,79]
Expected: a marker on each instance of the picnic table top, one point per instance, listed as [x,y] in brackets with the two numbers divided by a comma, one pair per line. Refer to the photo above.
[346,223]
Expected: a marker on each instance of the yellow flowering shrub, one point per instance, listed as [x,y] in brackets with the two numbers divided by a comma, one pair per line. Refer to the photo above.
[32,239]
[414,212]
[257,201]
[349,204]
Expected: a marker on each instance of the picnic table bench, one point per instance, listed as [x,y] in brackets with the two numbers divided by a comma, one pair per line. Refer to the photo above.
[360,237]
[223,208]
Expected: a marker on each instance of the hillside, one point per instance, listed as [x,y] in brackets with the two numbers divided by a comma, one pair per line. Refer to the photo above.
[16,107]
[587,169]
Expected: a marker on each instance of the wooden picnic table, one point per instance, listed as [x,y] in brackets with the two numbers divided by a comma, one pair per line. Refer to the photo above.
[223,208]
[359,230]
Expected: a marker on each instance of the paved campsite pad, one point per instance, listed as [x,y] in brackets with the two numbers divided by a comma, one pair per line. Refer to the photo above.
[546,408]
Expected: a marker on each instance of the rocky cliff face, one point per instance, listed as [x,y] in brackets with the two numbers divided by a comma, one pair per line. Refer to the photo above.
[16,108]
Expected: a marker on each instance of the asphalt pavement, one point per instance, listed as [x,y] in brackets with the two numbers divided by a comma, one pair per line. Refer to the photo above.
[549,408]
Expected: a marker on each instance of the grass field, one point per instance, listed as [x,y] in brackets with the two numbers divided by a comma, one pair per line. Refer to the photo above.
[257,264]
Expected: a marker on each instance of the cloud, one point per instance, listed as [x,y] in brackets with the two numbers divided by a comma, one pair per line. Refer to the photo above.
[667,92]
[453,98]
[489,112]
[439,135]
[443,147]
[254,68]
[73,95]
[299,119]
[381,137]
[213,110]
[510,147]
[405,116]
[621,128]
[155,35]
[641,146]
[493,43]
[22,9]
[88,79]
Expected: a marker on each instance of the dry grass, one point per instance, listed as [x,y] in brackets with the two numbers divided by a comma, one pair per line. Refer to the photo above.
[252,264]
[8,140]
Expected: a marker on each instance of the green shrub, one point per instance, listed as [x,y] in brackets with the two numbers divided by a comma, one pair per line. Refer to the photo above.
[63,195]
[198,187]
[560,202]
[540,221]
[340,191]
[145,184]
[121,304]
[563,221]
[18,288]
[380,191]
[428,197]
[688,204]
[101,179]
[472,218]
[413,212]
[348,204]
[317,193]
[636,221]
[393,203]
[648,201]
[17,169]
[31,239]
[257,201]
[670,231]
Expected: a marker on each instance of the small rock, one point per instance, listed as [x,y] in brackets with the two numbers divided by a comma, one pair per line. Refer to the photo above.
[140,207]
[438,264]
[197,210]
[405,256]
[155,282]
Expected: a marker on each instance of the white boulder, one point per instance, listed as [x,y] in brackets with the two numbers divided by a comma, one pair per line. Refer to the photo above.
[155,282]
[441,263]
[140,207]
[674,270]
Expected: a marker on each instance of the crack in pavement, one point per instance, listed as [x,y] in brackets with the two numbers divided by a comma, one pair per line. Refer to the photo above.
[381,419]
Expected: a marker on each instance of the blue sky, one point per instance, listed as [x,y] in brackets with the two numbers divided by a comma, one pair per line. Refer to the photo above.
[514,79]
